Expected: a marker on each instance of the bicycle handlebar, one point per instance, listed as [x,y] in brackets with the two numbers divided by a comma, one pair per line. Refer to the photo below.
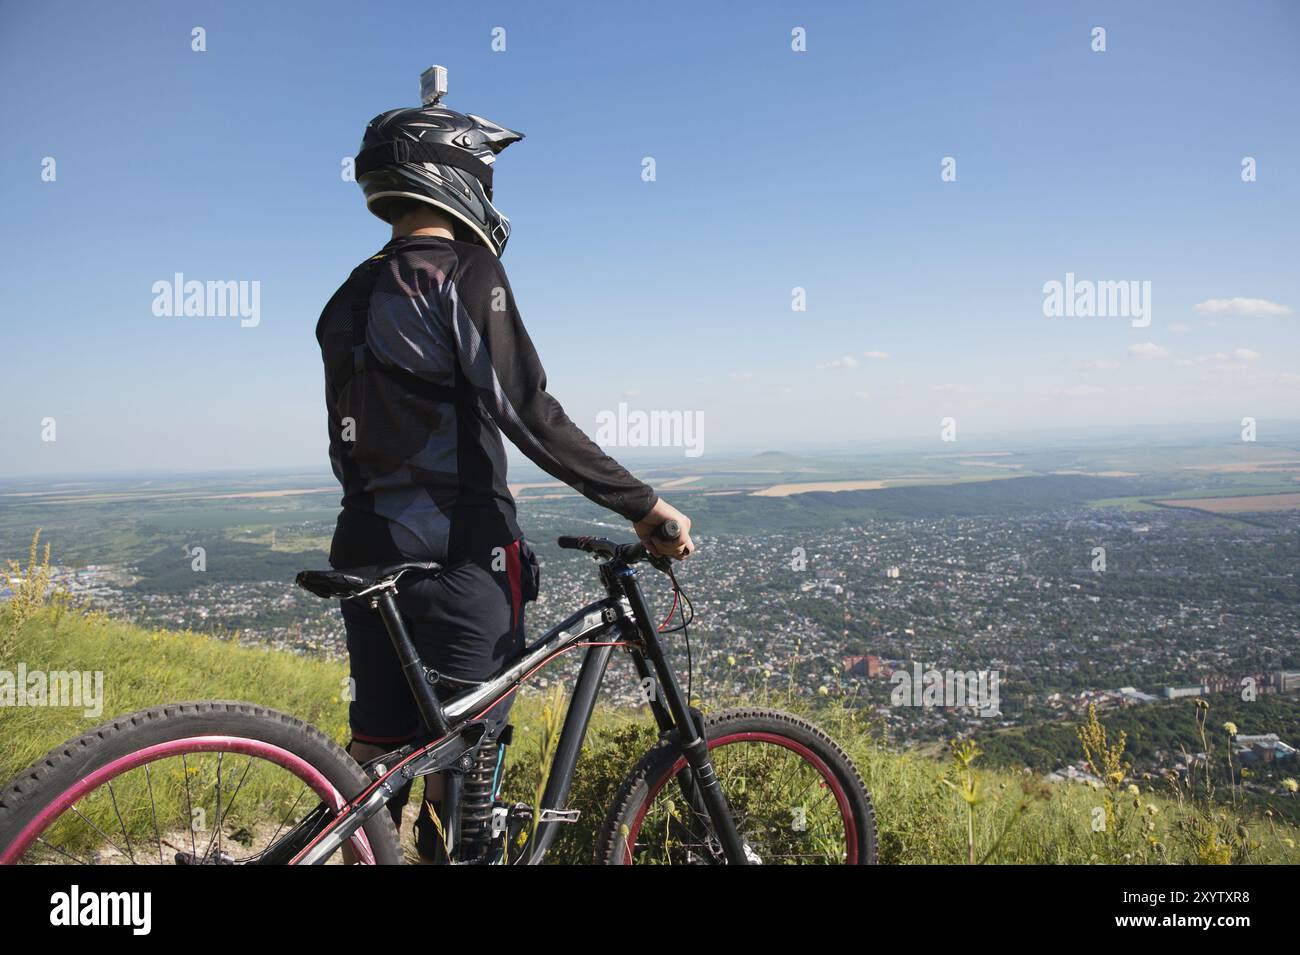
[628,553]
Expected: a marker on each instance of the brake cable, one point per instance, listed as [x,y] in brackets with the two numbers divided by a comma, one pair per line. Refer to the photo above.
[681,607]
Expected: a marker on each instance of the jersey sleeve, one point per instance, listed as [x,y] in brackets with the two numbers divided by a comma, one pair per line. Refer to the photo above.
[500,362]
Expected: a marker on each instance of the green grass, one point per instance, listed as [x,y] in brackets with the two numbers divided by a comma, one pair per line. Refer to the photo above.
[1017,818]
[143,668]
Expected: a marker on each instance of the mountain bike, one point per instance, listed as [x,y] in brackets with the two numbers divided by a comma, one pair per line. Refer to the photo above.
[228,783]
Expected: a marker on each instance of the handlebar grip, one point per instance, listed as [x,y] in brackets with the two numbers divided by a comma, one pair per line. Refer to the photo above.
[570,543]
[669,531]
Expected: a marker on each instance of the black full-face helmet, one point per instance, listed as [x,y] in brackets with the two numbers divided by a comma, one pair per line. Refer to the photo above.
[438,156]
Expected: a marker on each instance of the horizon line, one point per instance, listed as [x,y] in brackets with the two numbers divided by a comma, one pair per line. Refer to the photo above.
[652,458]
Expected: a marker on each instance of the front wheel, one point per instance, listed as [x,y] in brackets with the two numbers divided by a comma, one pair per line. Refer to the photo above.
[795,794]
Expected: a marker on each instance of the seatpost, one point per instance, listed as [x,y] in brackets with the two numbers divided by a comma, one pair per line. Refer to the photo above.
[435,717]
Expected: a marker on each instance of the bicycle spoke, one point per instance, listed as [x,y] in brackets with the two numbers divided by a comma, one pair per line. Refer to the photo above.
[220,757]
[216,835]
[107,838]
[60,851]
[153,812]
[189,806]
[125,835]
[270,842]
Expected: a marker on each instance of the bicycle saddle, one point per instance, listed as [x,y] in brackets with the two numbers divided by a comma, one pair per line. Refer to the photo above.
[356,580]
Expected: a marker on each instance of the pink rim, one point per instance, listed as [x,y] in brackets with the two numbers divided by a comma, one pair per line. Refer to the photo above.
[841,797]
[193,744]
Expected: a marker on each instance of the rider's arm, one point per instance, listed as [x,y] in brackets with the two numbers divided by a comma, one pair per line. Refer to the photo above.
[498,358]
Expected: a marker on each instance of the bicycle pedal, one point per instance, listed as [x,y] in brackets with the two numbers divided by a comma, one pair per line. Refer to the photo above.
[559,815]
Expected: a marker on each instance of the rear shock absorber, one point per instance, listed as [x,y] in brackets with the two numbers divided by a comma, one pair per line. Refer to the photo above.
[476,802]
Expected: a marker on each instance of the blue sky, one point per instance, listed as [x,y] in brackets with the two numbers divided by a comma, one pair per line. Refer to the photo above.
[775,169]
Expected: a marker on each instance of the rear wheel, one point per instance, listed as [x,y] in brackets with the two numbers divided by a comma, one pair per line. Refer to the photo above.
[211,783]
[796,796]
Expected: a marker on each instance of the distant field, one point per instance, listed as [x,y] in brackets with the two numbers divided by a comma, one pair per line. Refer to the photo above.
[1123,504]
[970,454]
[220,518]
[915,481]
[1237,505]
[152,495]
[284,492]
[1249,467]
[1114,474]
[1237,487]
[785,490]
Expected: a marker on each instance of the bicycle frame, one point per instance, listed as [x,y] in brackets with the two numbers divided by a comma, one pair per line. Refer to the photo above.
[457,726]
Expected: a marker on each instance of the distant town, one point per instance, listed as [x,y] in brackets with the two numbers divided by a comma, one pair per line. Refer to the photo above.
[1184,608]
[1001,608]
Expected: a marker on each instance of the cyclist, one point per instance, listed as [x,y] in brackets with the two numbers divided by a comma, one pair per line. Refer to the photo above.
[427,363]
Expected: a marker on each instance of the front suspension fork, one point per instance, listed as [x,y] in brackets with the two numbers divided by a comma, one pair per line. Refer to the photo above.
[706,789]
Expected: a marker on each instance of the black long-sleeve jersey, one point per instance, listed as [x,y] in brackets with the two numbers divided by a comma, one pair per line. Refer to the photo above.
[427,362]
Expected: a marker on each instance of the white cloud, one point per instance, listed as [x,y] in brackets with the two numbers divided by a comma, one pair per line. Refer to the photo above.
[1101,364]
[1148,351]
[1241,306]
[1234,361]
[1178,327]
[1081,391]
[844,361]
[878,355]
[951,389]
[741,375]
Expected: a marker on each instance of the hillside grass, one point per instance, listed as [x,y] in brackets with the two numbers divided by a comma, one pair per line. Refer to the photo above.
[926,808]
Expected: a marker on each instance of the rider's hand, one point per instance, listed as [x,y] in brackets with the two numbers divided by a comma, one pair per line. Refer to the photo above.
[660,513]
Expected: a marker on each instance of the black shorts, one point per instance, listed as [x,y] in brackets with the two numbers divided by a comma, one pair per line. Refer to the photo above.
[467,623]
